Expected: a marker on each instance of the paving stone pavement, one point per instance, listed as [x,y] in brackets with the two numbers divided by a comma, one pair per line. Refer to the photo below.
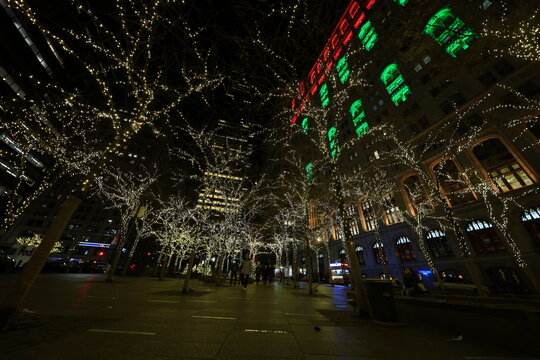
[79,316]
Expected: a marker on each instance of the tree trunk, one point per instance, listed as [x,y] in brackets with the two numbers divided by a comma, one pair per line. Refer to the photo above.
[185,288]
[354,268]
[16,295]
[165,266]
[116,259]
[471,265]
[219,270]
[309,267]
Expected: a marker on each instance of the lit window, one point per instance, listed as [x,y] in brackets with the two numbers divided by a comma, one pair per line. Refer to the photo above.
[449,31]
[368,213]
[402,2]
[453,185]
[395,84]
[438,243]
[426,59]
[378,251]
[502,167]
[343,70]
[483,237]
[368,36]
[404,248]
[531,220]
[418,67]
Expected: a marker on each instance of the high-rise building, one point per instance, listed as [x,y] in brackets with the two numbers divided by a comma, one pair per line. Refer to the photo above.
[427,70]
[28,57]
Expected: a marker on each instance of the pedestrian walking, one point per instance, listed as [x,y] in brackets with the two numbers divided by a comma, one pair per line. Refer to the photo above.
[258,273]
[234,273]
[245,271]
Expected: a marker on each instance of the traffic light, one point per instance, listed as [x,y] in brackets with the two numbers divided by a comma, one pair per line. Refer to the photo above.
[101,253]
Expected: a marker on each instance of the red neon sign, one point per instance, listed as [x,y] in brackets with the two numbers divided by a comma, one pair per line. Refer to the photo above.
[340,38]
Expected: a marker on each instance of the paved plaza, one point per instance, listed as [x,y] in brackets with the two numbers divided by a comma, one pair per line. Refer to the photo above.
[79,316]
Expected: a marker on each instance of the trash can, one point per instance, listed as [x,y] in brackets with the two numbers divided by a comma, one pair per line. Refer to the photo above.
[380,294]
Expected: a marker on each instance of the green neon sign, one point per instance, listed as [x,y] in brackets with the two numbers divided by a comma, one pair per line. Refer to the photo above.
[333,142]
[325,96]
[359,118]
[449,31]
[343,70]
[395,84]
[368,36]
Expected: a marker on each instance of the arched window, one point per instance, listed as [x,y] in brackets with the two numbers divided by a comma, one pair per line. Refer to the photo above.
[333,142]
[501,166]
[378,251]
[395,84]
[368,35]
[455,188]
[360,254]
[359,118]
[392,214]
[368,215]
[342,68]
[531,220]
[416,195]
[483,237]
[342,255]
[438,243]
[404,248]
[449,31]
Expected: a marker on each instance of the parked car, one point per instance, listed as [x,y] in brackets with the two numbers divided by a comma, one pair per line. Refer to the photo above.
[458,285]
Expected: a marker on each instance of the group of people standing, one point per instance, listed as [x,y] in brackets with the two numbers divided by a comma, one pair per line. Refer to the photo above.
[241,271]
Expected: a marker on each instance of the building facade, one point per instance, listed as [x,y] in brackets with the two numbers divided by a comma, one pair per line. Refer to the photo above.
[463,156]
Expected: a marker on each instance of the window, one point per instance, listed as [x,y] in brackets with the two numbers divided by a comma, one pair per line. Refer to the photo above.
[449,31]
[404,248]
[531,220]
[487,79]
[378,251]
[417,195]
[353,216]
[529,89]
[368,213]
[360,255]
[454,187]
[392,214]
[358,118]
[402,2]
[395,84]
[309,172]
[342,68]
[483,237]
[333,142]
[502,168]
[438,244]
[504,68]
[368,36]
[325,97]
